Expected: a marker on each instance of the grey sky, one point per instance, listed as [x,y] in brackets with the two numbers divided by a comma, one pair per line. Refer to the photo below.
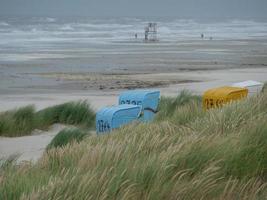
[179,8]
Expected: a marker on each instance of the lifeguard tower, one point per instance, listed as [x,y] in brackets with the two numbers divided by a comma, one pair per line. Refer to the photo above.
[151,32]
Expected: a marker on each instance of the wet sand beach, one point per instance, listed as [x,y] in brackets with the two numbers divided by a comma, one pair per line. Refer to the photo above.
[100,76]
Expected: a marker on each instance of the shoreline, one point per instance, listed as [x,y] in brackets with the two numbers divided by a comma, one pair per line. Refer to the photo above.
[31,148]
[99,77]
[72,91]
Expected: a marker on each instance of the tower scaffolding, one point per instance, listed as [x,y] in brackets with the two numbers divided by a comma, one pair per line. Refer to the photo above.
[151,32]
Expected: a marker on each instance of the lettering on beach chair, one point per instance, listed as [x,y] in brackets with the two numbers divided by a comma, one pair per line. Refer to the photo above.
[147,99]
[103,126]
[131,102]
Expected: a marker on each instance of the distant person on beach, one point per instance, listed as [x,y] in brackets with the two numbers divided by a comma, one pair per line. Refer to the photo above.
[202,36]
[146,36]
[136,36]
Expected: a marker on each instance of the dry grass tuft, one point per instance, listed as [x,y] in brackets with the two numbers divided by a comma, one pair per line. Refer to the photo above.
[219,154]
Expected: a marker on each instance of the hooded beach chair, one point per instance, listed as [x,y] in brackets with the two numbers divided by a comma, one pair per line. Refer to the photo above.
[217,97]
[147,99]
[109,118]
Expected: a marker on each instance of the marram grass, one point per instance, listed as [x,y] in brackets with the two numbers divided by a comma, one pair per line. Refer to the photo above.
[23,121]
[67,136]
[219,154]
[17,122]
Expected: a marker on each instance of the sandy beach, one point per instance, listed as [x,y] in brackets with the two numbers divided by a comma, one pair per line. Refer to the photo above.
[154,99]
[171,68]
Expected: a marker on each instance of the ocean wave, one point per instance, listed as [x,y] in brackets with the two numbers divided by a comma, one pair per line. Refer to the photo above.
[102,25]
[243,22]
[123,29]
[4,24]
[47,20]
[66,27]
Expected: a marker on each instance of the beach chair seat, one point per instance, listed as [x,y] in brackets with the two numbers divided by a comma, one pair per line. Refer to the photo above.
[109,118]
[147,99]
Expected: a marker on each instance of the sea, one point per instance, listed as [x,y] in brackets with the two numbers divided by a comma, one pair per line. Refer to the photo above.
[23,38]
[33,45]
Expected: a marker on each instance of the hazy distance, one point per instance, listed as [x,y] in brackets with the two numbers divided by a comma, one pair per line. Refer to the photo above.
[249,9]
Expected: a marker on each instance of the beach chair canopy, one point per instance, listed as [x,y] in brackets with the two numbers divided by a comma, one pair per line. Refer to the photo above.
[218,96]
[249,83]
[109,118]
[147,99]
[253,87]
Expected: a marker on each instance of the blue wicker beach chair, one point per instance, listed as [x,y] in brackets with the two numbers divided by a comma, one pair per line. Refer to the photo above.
[109,118]
[147,99]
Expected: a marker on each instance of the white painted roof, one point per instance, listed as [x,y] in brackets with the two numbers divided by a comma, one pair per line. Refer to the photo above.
[248,83]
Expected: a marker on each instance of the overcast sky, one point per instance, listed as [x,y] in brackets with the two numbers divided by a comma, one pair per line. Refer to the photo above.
[179,8]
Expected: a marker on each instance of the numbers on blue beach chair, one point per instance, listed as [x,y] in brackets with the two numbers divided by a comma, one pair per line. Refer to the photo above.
[103,126]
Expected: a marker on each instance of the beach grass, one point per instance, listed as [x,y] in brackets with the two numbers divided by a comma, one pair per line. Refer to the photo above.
[215,154]
[67,136]
[17,122]
[264,88]
[73,113]
[184,104]
[23,121]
